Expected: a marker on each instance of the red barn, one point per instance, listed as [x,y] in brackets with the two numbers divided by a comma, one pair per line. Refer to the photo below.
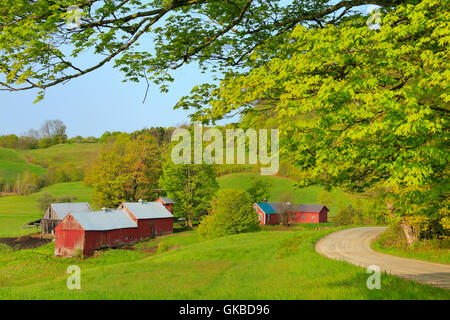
[167,202]
[131,222]
[268,213]
[152,218]
[87,231]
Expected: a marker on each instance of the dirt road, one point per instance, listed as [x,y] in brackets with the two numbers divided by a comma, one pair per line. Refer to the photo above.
[353,245]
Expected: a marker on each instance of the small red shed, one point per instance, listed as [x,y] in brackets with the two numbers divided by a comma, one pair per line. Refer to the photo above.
[268,213]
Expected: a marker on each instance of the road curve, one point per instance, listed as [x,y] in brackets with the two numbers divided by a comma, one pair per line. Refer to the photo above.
[353,245]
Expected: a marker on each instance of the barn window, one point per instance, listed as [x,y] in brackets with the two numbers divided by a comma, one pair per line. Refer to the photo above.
[303,217]
[313,217]
[260,217]
[126,238]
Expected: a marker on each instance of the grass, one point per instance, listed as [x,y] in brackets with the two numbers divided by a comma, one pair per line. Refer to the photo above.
[279,185]
[79,154]
[234,267]
[12,164]
[17,211]
[391,242]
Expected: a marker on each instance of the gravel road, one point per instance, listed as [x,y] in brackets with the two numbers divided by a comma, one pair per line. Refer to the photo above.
[353,245]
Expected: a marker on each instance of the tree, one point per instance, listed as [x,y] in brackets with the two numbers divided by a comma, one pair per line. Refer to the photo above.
[361,108]
[9,141]
[325,197]
[259,190]
[287,207]
[41,50]
[52,132]
[192,186]
[127,170]
[232,213]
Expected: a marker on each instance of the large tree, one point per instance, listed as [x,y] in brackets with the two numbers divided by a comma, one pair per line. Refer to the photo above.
[127,170]
[192,186]
[147,39]
[362,109]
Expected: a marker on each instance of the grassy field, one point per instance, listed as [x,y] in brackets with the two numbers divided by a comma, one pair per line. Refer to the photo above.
[428,250]
[286,266]
[80,154]
[12,164]
[279,185]
[16,211]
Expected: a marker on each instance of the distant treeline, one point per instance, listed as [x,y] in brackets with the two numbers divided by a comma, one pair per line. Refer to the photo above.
[52,132]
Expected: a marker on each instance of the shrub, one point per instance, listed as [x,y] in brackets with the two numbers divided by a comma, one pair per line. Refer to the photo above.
[232,213]
[163,246]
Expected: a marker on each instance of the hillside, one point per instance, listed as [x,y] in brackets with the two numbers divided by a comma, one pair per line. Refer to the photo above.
[17,211]
[13,163]
[280,185]
[79,154]
[259,265]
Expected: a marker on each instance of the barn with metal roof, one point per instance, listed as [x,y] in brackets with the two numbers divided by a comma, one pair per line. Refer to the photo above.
[269,212]
[152,218]
[89,230]
[56,212]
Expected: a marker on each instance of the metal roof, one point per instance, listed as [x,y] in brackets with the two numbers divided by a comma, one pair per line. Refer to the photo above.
[62,209]
[148,210]
[104,220]
[266,207]
[167,200]
[275,207]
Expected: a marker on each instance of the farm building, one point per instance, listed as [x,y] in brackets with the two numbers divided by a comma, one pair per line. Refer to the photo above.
[269,213]
[167,202]
[56,213]
[87,231]
[131,222]
[153,218]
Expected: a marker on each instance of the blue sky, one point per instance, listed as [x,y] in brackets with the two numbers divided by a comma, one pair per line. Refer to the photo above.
[99,101]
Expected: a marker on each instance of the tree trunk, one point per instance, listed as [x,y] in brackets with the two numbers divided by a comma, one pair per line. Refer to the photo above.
[189,222]
[409,232]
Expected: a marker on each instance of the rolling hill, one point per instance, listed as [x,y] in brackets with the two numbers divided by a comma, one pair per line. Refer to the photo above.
[258,265]
[17,211]
[12,164]
[79,154]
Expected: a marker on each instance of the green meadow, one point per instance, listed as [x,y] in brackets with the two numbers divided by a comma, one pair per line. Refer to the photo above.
[259,265]
[13,164]
[17,211]
[79,154]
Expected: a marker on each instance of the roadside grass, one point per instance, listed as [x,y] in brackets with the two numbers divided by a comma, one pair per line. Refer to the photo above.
[280,185]
[391,242]
[12,164]
[244,266]
[17,211]
[79,154]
